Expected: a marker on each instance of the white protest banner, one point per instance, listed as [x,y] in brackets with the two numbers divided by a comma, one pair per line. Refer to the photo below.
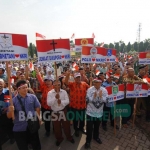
[13,47]
[115,93]
[136,90]
[53,50]
[97,55]
[144,58]
[83,42]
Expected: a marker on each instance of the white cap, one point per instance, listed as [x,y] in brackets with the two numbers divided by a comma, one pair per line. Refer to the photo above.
[77,75]
[49,69]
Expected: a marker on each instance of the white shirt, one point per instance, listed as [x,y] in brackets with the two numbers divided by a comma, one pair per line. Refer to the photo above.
[91,109]
[52,101]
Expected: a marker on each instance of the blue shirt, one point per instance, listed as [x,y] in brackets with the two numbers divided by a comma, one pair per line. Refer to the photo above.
[3,103]
[106,84]
[3,76]
[30,102]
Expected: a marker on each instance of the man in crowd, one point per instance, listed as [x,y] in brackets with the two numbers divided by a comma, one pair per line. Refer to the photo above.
[77,101]
[6,125]
[147,100]
[132,79]
[140,101]
[22,134]
[2,73]
[96,97]
[83,76]
[46,85]
[58,99]
[107,107]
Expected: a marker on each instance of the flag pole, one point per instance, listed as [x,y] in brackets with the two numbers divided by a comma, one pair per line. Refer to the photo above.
[56,71]
[9,87]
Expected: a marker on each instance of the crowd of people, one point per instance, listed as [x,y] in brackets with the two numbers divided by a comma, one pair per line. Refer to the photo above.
[77,96]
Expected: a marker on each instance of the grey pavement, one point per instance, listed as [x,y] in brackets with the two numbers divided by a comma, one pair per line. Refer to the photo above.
[130,138]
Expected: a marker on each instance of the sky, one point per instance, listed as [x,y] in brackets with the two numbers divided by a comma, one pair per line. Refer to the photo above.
[110,20]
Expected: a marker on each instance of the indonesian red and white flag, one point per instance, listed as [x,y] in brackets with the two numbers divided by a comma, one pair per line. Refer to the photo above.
[73,35]
[40,36]
[12,80]
[102,44]
[116,59]
[13,47]
[107,75]
[83,42]
[31,66]
[97,72]
[53,50]
[93,35]
[76,68]
[115,93]
[136,90]
[74,64]
[94,65]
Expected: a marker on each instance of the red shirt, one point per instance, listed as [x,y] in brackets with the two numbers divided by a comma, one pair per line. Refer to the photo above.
[78,94]
[44,89]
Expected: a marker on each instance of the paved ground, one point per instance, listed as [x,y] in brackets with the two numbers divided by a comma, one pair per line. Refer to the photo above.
[143,125]
[131,138]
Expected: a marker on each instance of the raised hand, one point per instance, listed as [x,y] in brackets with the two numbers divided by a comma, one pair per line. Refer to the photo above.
[68,73]
[100,94]
[95,94]
[57,96]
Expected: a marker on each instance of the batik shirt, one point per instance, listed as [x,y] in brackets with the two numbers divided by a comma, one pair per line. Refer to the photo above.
[78,94]
[95,105]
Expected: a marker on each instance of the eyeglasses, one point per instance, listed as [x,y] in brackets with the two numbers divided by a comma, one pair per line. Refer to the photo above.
[24,87]
[57,85]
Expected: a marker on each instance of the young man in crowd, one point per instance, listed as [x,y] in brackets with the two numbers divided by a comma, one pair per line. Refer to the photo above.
[22,134]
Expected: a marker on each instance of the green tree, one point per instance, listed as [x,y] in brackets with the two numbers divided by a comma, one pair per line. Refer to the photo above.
[106,46]
[111,45]
[146,44]
[135,46]
[35,51]
[31,50]
[141,47]
[129,47]
[117,46]
[122,47]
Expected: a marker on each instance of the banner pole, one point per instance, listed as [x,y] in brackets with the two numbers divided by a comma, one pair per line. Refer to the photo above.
[9,87]
[56,71]
[134,114]
[115,118]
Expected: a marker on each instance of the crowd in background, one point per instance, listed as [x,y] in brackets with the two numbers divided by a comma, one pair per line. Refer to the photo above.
[80,88]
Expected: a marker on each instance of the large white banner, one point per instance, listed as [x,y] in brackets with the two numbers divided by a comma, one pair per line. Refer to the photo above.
[13,47]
